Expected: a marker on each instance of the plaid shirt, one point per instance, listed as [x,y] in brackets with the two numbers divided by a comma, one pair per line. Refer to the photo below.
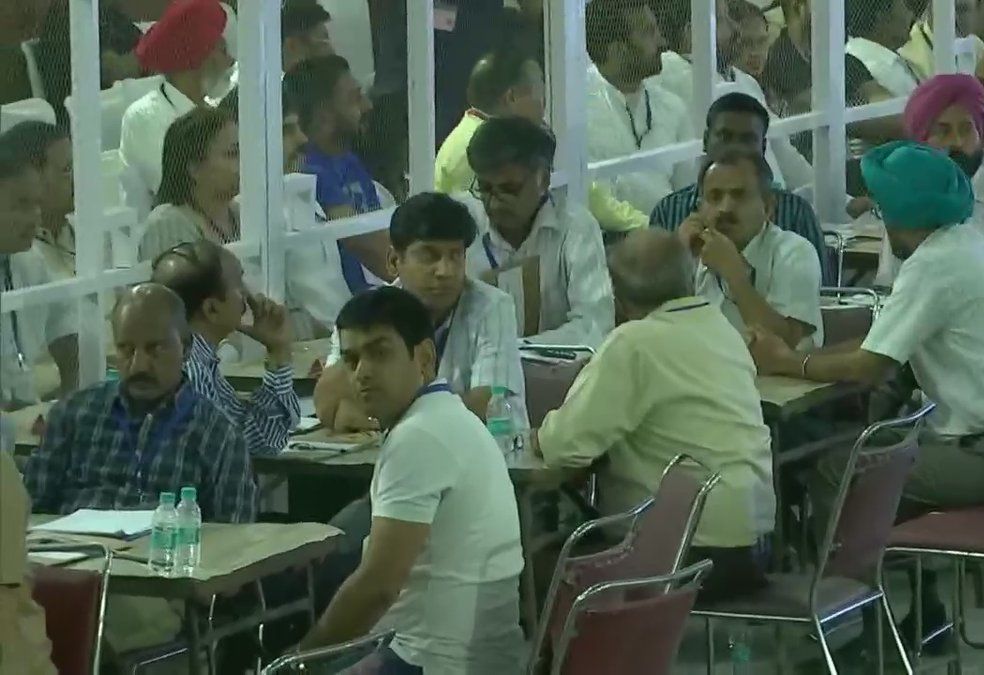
[95,454]
[793,213]
[266,419]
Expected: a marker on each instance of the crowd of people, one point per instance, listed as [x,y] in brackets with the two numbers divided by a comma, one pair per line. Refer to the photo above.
[685,281]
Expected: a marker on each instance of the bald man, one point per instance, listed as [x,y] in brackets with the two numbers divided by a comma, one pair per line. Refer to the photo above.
[704,403]
[118,445]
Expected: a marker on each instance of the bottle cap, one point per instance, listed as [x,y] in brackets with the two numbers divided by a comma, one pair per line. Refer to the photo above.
[167,498]
[189,493]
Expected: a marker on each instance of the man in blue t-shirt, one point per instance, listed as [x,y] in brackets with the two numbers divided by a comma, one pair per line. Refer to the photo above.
[331,107]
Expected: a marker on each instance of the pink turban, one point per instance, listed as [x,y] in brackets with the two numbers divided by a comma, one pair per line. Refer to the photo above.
[938,93]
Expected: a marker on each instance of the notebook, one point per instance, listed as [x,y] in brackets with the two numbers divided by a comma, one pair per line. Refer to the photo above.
[115,524]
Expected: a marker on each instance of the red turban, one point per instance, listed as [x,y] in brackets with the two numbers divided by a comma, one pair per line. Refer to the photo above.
[938,93]
[184,36]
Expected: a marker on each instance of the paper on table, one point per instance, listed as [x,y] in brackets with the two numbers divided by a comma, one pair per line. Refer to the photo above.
[115,524]
[56,557]
[307,423]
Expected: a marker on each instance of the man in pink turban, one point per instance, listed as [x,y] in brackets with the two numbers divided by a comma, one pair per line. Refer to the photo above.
[947,113]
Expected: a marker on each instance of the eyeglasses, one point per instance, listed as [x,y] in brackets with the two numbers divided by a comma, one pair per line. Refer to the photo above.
[502,192]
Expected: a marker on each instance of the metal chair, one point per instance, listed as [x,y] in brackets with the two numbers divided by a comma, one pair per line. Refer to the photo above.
[349,652]
[628,626]
[848,575]
[955,534]
[848,312]
[74,603]
[657,542]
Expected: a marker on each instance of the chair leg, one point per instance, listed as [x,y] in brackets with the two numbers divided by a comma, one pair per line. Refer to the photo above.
[896,636]
[879,638]
[781,656]
[822,639]
[917,644]
[709,633]
[959,626]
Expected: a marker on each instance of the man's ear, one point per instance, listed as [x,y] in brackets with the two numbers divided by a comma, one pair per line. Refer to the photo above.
[770,205]
[392,261]
[426,356]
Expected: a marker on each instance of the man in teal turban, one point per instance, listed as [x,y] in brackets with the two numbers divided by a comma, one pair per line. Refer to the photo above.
[933,321]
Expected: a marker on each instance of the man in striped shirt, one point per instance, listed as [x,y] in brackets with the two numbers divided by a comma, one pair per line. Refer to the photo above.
[209,279]
[738,120]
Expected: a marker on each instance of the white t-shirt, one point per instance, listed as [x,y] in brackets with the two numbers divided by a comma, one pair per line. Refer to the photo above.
[934,320]
[786,273]
[459,611]
[889,69]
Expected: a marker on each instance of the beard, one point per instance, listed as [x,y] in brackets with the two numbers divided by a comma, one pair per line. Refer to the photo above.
[968,163]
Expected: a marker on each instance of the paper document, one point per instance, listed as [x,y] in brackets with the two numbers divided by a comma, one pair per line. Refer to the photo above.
[54,558]
[115,524]
[307,423]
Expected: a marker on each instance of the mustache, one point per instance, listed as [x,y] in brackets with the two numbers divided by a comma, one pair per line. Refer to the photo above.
[139,379]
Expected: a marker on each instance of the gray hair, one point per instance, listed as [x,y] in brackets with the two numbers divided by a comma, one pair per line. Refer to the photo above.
[651,269]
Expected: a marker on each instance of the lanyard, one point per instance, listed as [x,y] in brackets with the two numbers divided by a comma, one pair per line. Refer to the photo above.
[696,305]
[649,120]
[441,336]
[487,245]
[8,285]
[434,387]
[168,98]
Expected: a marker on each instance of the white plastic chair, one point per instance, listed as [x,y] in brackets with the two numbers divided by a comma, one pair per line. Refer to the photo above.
[136,194]
[30,109]
[136,88]
[33,72]
[111,169]
[112,105]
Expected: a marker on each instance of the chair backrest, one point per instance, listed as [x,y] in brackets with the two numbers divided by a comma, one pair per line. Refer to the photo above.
[847,313]
[74,603]
[112,106]
[33,72]
[547,385]
[629,627]
[30,109]
[136,194]
[342,656]
[868,499]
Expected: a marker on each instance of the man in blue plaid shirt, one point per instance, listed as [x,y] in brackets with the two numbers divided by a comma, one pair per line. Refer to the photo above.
[119,445]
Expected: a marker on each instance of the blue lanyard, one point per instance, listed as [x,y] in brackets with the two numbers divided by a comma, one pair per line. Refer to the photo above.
[353,272]
[487,245]
[696,305]
[432,388]
[441,337]
[9,286]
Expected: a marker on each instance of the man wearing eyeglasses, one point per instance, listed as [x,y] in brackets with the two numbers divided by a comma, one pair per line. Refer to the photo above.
[512,158]
[756,272]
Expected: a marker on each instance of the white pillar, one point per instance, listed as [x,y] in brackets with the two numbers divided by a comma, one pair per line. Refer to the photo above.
[703,22]
[944,35]
[568,63]
[420,82]
[830,139]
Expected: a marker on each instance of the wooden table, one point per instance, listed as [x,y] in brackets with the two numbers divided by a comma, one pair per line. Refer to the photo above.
[233,556]
[784,397]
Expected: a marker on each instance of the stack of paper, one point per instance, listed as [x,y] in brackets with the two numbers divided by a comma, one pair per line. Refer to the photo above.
[115,524]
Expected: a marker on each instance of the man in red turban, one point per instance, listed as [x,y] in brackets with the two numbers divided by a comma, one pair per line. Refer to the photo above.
[187,47]
[947,112]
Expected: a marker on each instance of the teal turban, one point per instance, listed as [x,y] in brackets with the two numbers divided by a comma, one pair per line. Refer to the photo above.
[916,186]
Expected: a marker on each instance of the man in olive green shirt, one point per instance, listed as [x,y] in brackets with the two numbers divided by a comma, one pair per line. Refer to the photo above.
[674,377]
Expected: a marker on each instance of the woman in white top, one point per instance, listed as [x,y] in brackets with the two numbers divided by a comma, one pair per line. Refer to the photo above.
[200,180]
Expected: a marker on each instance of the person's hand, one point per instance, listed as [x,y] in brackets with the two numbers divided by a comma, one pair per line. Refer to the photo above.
[858,206]
[690,230]
[270,327]
[720,255]
[349,419]
[769,351]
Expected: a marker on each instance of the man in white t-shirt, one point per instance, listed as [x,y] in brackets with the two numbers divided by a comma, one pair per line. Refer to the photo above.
[933,320]
[442,561]
[757,273]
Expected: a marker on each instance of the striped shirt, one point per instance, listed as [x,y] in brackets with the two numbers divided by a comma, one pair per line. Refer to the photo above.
[96,454]
[266,418]
[793,213]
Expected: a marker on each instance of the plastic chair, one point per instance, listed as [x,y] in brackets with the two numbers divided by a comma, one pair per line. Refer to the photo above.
[848,576]
[74,603]
[847,312]
[112,105]
[29,48]
[657,542]
[630,626]
[348,653]
[955,534]
[30,109]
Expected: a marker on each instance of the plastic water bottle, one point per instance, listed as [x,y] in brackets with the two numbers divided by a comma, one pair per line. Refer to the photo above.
[163,529]
[500,421]
[189,536]
[740,649]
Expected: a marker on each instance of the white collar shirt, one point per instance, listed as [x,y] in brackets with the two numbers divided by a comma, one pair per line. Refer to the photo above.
[618,128]
[934,320]
[785,272]
[37,326]
[576,302]
[889,69]
[144,125]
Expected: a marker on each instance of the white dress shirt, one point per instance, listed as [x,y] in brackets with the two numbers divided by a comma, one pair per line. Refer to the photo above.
[37,327]
[889,69]
[144,124]
[576,302]
[657,119]
[790,169]
[934,320]
[785,272]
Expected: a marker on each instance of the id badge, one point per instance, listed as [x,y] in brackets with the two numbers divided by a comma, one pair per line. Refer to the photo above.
[445,16]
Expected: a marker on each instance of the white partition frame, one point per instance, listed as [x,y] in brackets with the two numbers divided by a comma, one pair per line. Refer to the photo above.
[264,233]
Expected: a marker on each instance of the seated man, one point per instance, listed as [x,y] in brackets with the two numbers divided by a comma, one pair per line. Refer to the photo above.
[209,281]
[933,320]
[518,221]
[118,445]
[755,272]
[739,121]
[25,332]
[474,323]
[673,377]
[442,561]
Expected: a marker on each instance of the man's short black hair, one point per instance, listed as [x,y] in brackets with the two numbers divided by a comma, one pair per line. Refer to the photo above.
[311,83]
[16,155]
[299,16]
[607,22]
[861,16]
[431,216]
[35,137]
[511,140]
[196,274]
[388,306]
[494,75]
[736,157]
[736,102]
